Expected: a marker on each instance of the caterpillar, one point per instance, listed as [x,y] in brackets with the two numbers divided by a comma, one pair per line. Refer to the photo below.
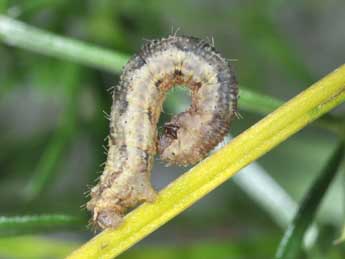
[137,103]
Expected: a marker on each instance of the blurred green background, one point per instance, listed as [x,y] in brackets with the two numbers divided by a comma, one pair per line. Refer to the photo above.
[53,127]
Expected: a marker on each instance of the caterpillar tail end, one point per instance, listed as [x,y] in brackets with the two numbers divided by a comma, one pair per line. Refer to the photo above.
[111,215]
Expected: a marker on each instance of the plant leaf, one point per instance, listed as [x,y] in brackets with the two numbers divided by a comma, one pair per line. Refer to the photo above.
[291,243]
[19,34]
[36,224]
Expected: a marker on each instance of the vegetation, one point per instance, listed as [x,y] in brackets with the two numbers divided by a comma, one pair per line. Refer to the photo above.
[57,59]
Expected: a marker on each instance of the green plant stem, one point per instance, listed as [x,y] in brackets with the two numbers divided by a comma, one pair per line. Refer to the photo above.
[38,223]
[19,34]
[260,103]
[290,245]
[264,104]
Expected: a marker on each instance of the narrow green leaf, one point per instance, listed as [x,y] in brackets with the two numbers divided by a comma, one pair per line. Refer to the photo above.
[19,34]
[291,243]
[35,224]
[264,104]
[260,103]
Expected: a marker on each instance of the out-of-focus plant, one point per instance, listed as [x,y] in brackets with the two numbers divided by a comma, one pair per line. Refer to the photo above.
[259,139]
[291,244]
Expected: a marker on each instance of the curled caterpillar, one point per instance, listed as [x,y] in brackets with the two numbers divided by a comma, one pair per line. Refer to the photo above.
[137,104]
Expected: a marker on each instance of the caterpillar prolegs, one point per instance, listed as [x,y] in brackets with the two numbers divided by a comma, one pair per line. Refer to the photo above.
[137,104]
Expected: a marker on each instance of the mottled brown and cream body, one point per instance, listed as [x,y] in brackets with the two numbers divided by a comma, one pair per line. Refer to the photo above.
[137,104]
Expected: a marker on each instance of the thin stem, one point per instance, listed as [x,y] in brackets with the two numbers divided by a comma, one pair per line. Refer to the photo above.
[19,34]
[38,223]
[291,244]
[260,103]
[264,104]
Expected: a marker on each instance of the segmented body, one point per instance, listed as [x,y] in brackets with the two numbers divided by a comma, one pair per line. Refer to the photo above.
[137,104]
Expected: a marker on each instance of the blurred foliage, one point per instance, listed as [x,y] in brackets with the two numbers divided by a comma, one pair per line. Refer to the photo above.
[292,242]
[52,127]
[37,224]
[31,247]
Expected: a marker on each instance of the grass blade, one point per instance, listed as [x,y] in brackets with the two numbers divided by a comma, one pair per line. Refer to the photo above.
[264,104]
[260,103]
[19,34]
[264,191]
[35,224]
[291,243]
[269,195]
